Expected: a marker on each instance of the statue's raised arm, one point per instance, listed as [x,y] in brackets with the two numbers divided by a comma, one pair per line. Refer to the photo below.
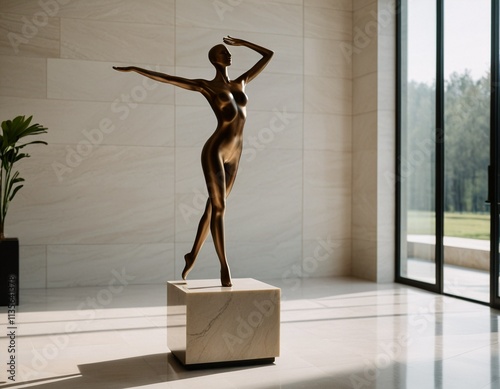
[254,71]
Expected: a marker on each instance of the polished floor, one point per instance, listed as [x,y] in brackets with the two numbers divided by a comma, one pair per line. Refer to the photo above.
[335,333]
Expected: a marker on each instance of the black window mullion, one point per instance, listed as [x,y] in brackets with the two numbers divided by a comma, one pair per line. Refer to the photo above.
[440,132]
[494,153]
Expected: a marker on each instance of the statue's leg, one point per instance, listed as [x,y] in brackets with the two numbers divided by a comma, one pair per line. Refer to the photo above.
[231,170]
[217,221]
[201,236]
[215,176]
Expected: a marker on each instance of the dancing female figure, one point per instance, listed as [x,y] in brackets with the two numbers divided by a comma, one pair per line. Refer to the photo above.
[222,151]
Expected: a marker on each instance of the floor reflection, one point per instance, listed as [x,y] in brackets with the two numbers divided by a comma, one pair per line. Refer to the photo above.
[335,333]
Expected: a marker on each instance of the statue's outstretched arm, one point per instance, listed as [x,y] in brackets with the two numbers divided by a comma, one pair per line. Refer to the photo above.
[254,71]
[194,85]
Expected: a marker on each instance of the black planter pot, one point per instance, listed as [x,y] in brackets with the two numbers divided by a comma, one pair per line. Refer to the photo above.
[9,272]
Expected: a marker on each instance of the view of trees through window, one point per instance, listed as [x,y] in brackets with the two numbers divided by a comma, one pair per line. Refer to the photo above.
[467,155]
[445,42]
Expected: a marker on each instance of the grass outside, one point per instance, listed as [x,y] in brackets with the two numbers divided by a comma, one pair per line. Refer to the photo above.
[462,225]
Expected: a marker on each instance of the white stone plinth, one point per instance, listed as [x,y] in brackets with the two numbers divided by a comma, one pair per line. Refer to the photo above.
[207,323]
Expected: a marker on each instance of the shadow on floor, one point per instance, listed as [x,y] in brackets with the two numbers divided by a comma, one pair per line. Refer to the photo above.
[126,373]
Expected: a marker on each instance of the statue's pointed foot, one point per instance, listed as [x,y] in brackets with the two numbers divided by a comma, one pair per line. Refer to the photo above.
[189,265]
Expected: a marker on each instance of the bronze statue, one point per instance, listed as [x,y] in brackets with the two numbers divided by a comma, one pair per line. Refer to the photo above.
[222,151]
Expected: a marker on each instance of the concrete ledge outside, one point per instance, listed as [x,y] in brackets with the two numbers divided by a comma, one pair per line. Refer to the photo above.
[470,253]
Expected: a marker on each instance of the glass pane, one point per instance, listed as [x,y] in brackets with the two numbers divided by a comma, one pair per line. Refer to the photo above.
[496,160]
[417,160]
[467,48]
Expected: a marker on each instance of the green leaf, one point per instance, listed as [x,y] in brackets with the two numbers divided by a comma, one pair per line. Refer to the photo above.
[21,156]
[15,191]
[41,142]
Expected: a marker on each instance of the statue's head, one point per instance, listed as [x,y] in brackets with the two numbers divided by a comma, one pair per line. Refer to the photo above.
[219,54]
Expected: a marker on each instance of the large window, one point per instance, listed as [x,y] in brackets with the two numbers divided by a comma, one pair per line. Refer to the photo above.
[448,147]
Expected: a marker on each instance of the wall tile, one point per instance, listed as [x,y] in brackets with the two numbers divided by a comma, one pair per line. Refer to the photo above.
[21,37]
[188,170]
[328,132]
[387,173]
[364,198]
[32,266]
[363,265]
[364,53]
[365,134]
[97,81]
[386,95]
[273,171]
[272,17]
[386,255]
[264,259]
[358,4]
[276,129]
[23,77]
[328,95]
[327,194]
[323,212]
[344,5]
[105,265]
[387,130]
[326,257]
[147,11]
[282,216]
[114,195]
[328,170]
[101,123]
[324,22]
[193,125]
[111,41]
[21,7]
[326,58]
[365,93]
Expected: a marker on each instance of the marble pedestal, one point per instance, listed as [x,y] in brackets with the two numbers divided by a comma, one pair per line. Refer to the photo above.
[207,323]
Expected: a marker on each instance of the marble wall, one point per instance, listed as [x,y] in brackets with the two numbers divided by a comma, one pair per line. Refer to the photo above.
[373,141]
[119,188]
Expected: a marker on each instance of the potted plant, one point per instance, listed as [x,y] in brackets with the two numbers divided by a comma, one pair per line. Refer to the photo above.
[11,152]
